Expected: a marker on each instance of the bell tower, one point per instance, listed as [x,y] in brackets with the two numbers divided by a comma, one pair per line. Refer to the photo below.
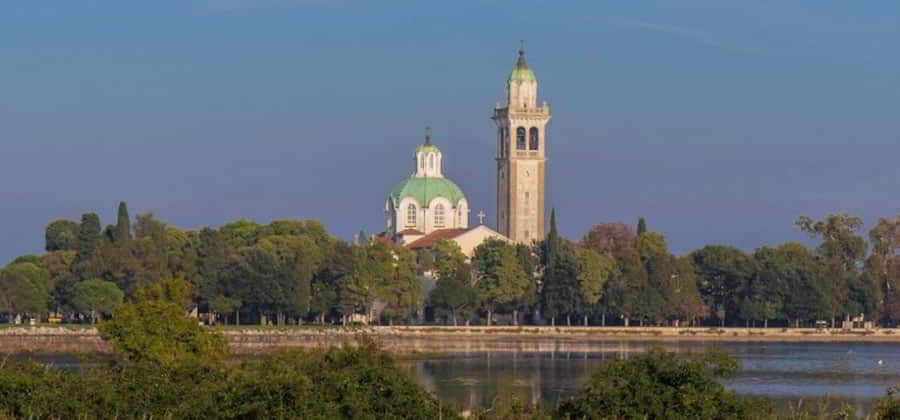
[521,144]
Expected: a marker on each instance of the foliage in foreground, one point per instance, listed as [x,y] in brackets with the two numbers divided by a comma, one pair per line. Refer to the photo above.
[170,367]
[352,382]
[156,330]
[662,385]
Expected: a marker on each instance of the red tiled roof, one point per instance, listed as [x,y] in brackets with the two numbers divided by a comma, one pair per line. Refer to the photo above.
[383,238]
[430,239]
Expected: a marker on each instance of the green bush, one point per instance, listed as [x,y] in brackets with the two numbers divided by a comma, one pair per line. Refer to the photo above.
[661,385]
[169,367]
[354,382]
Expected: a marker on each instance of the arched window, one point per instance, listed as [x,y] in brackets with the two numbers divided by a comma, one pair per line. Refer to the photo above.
[430,161]
[534,139]
[520,138]
[411,214]
[439,216]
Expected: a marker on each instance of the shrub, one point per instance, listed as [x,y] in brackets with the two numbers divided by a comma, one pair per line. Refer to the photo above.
[358,382]
[661,385]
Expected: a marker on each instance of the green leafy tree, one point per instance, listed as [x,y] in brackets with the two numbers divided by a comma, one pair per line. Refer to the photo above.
[356,288]
[593,270]
[399,287]
[59,265]
[89,234]
[327,283]
[453,295]
[240,233]
[89,239]
[500,280]
[453,298]
[560,286]
[155,329]
[724,272]
[641,226]
[61,235]
[626,293]
[95,296]
[882,268]
[298,259]
[795,279]
[561,292]
[685,299]
[209,256]
[33,259]
[170,289]
[657,298]
[842,250]
[24,289]
[449,261]
[661,385]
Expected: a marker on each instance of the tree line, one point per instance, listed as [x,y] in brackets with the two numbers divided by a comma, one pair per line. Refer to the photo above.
[292,272]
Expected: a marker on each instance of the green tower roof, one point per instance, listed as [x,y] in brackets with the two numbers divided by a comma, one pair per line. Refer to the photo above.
[521,72]
[425,189]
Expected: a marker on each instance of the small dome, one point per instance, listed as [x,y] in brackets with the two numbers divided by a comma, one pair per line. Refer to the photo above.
[423,190]
[521,72]
[427,147]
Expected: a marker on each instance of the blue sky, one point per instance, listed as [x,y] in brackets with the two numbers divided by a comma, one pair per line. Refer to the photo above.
[720,122]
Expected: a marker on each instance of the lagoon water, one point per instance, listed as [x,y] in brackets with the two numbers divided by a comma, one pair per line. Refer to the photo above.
[786,372]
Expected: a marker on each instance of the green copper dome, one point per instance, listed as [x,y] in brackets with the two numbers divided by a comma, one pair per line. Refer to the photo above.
[425,189]
[521,72]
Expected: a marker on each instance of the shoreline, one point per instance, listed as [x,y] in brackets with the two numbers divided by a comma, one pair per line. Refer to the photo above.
[446,339]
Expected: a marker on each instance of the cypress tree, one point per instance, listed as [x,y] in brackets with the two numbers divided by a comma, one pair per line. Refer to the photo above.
[552,245]
[642,226]
[123,224]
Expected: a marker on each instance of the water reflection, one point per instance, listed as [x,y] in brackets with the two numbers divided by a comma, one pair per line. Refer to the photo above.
[785,372]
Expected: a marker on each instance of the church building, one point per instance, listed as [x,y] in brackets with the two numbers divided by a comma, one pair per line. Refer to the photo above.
[428,207]
[426,201]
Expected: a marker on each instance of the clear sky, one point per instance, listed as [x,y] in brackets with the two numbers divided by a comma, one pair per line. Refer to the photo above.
[719,121]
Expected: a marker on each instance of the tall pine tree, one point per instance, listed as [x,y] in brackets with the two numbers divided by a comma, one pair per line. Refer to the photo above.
[642,226]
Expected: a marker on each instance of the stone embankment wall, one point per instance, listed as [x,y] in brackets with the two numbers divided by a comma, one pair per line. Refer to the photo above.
[434,339]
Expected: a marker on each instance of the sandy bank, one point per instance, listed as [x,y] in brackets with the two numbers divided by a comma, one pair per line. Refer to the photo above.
[427,339]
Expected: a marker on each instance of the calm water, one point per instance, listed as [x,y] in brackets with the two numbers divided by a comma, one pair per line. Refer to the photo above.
[786,372]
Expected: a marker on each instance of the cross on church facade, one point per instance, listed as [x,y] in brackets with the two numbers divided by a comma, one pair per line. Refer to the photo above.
[481,217]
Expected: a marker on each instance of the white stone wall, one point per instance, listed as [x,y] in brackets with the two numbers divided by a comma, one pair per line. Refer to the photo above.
[455,216]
